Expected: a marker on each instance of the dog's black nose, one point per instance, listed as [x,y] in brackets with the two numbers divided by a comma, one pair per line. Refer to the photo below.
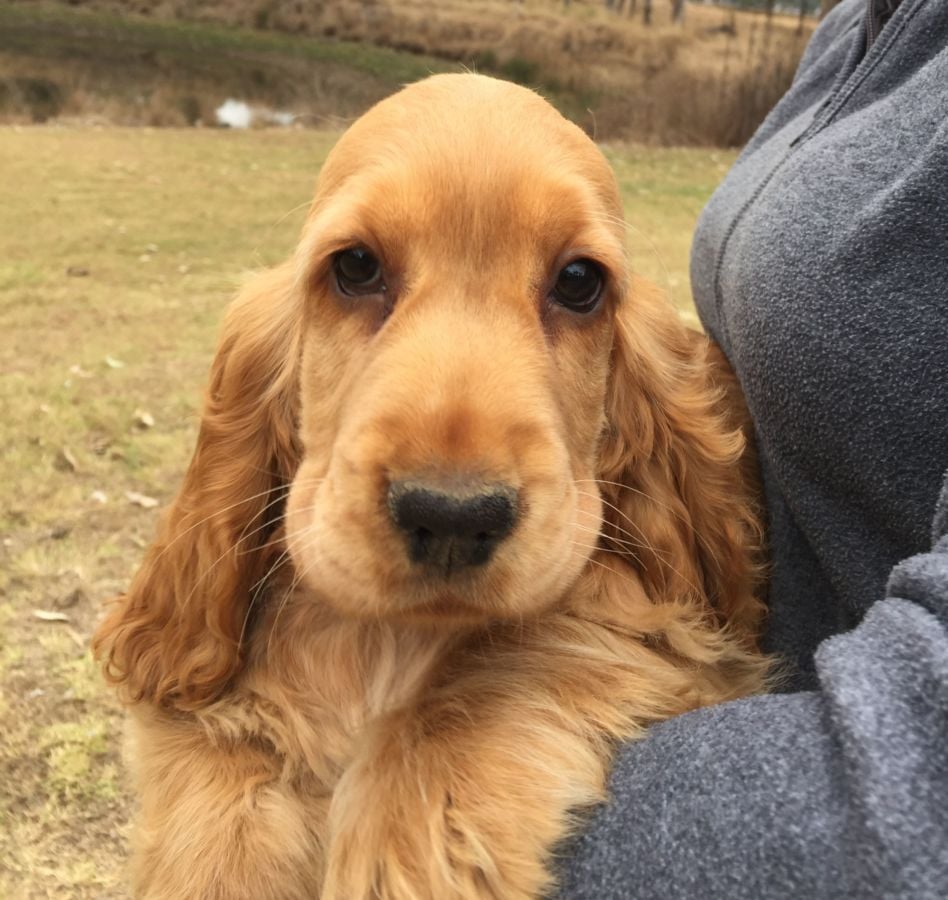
[449,528]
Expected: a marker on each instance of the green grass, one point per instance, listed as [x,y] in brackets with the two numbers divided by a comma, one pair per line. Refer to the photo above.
[165,223]
[664,190]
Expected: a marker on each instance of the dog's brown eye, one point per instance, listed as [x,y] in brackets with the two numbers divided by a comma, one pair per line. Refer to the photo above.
[578,286]
[358,272]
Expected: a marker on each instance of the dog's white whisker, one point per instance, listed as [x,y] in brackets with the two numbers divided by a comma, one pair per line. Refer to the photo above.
[638,545]
[654,551]
[638,541]
[626,487]
[635,525]
[220,512]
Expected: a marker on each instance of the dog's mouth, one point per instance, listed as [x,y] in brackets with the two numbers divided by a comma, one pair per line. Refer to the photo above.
[446,608]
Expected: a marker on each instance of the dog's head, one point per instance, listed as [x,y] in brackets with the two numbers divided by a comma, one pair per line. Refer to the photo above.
[458,392]
[461,265]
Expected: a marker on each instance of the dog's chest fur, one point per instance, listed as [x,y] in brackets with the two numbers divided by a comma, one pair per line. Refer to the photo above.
[316,684]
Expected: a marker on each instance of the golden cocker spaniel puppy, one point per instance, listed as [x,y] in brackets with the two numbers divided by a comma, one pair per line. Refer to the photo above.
[467,508]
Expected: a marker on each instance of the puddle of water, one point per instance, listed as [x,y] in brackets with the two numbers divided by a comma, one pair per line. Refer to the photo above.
[238,114]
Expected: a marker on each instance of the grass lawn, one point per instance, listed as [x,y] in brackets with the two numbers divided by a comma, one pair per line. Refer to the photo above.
[119,250]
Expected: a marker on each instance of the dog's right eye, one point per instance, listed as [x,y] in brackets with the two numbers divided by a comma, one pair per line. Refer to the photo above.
[358,272]
[579,286]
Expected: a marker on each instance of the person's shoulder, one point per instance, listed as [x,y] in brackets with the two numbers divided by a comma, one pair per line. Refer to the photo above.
[839,19]
[834,26]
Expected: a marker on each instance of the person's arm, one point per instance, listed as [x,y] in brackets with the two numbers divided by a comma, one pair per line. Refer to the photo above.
[840,792]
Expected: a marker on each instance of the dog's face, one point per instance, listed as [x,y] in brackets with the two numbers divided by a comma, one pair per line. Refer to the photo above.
[461,267]
[470,406]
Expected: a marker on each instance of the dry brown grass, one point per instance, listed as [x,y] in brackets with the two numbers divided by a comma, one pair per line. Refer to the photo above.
[707,81]
[57,62]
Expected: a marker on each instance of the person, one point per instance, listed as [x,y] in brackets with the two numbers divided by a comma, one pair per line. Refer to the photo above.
[821,268]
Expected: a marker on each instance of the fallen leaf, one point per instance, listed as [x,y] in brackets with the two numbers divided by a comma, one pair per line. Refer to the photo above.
[99,497]
[78,640]
[79,371]
[100,443]
[143,418]
[142,500]
[64,461]
[114,363]
[45,615]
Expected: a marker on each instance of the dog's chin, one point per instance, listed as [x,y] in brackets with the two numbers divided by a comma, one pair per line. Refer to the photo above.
[464,600]
[447,611]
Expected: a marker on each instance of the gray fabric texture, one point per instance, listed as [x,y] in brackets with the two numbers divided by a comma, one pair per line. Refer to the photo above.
[821,267]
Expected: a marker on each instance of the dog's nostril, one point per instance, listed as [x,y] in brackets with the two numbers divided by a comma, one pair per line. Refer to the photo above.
[452,528]
[420,537]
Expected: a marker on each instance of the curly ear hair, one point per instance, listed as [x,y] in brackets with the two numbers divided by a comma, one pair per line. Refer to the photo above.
[175,638]
[677,469]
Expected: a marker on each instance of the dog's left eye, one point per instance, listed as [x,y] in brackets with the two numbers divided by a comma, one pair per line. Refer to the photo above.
[358,272]
[578,286]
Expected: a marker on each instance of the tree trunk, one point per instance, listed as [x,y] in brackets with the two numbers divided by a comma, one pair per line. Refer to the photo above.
[646,12]
[678,10]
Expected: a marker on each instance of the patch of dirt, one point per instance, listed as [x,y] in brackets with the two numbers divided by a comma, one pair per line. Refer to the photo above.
[63,802]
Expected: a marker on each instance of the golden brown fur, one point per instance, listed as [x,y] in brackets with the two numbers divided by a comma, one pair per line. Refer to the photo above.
[312,714]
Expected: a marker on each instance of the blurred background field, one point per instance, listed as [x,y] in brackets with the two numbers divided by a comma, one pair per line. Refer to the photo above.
[119,249]
[126,226]
[707,79]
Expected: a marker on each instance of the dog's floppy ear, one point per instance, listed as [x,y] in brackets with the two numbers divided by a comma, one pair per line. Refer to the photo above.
[678,480]
[174,638]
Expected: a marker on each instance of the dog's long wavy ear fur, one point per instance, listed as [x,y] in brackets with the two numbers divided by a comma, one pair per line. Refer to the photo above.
[678,474]
[174,638]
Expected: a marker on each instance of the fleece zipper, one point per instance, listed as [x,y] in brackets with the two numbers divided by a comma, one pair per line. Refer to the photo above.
[878,12]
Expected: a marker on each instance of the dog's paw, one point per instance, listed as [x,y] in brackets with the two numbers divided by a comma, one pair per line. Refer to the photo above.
[428,827]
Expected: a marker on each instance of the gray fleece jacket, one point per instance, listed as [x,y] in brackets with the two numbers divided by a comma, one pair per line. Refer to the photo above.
[821,267]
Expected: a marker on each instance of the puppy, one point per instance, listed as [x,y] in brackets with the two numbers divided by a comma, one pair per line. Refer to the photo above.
[467,508]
